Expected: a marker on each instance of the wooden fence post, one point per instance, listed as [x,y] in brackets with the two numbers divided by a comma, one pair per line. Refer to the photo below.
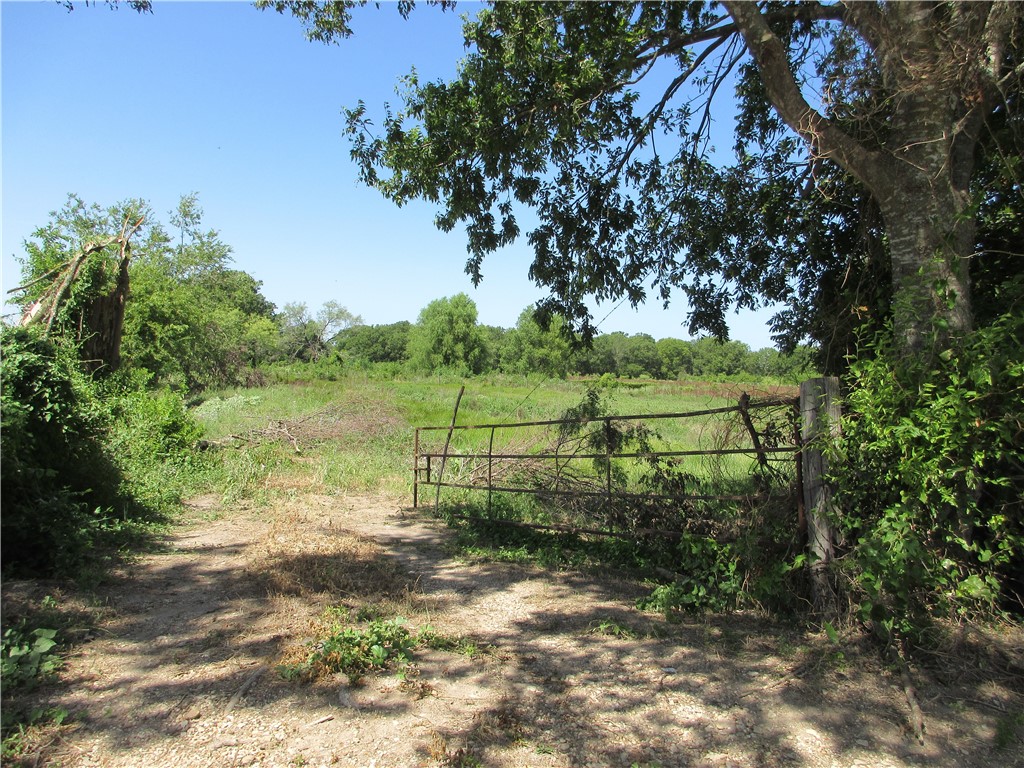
[820,412]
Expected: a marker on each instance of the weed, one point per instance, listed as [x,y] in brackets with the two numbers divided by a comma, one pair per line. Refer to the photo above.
[410,682]
[459,758]
[24,732]
[355,652]
[27,656]
[1007,727]
[612,628]
[454,644]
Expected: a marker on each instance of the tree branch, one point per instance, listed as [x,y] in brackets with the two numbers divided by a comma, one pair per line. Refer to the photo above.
[826,139]
[866,18]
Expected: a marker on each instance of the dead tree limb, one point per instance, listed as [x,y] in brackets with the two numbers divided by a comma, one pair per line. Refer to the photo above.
[102,322]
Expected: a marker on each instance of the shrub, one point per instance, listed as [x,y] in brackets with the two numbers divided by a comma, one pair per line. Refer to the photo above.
[153,437]
[86,467]
[55,475]
[930,478]
[710,579]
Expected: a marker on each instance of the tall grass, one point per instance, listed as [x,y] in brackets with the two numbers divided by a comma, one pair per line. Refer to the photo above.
[355,433]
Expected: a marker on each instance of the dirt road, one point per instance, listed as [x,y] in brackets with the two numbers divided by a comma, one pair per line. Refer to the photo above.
[182,667]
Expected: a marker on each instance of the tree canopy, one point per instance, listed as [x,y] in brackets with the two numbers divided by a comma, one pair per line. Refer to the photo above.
[855,186]
[446,336]
[175,308]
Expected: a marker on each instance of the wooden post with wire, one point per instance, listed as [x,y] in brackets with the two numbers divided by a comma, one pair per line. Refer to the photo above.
[820,411]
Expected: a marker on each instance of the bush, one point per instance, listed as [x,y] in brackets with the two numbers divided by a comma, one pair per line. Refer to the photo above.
[154,436]
[55,475]
[86,467]
[930,478]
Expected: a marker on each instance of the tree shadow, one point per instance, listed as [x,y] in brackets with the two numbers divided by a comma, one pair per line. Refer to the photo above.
[576,677]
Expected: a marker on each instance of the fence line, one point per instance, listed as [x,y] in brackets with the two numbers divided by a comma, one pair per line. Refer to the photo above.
[423,459]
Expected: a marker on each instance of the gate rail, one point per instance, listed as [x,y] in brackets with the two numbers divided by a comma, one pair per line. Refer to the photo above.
[424,460]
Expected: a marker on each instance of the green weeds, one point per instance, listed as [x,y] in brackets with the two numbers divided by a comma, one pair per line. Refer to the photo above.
[27,656]
[381,645]
[30,656]
[612,628]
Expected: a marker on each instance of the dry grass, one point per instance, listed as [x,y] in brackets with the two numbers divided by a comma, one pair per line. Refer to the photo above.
[301,556]
[354,422]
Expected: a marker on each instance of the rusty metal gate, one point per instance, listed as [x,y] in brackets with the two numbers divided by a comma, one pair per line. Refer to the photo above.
[766,431]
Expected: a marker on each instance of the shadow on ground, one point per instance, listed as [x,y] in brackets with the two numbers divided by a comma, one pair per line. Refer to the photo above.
[567,673]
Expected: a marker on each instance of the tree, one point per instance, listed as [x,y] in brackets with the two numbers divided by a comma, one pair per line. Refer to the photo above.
[376,343]
[676,357]
[309,338]
[175,310]
[887,101]
[140,6]
[76,273]
[639,357]
[529,348]
[714,357]
[446,336]
[192,319]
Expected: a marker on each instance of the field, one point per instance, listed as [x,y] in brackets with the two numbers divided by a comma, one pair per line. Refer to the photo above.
[357,434]
[301,613]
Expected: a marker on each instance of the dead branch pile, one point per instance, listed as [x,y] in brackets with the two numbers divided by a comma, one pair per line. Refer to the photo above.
[354,422]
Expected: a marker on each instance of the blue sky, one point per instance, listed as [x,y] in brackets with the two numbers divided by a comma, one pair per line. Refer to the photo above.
[234,104]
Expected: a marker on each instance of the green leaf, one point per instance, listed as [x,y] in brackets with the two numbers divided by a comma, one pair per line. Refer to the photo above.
[833,636]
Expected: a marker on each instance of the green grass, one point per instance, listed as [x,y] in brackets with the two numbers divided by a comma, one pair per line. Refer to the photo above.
[357,433]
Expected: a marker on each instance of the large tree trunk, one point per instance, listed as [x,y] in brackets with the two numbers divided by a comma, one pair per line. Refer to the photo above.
[930,241]
[940,66]
[101,349]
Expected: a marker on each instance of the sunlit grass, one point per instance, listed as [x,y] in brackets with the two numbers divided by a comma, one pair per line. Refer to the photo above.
[357,434]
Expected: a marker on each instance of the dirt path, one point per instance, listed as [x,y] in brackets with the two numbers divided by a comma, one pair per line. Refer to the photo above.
[182,670]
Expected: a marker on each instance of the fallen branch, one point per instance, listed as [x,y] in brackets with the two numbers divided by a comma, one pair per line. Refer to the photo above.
[916,716]
[249,682]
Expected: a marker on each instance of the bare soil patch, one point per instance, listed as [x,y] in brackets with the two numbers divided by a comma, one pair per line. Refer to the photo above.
[180,668]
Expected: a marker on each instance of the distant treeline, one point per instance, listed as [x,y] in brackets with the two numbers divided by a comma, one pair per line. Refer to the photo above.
[194,322]
[447,338]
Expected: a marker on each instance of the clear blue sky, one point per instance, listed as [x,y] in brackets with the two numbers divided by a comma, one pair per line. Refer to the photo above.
[234,104]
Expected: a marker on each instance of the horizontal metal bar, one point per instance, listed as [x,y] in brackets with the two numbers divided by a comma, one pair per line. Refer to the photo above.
[566,457]
[562,528]
[603,494]
[635,417]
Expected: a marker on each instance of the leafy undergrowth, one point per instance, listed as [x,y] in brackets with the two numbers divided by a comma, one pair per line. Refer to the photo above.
[691,573]
[38,631]
[378,645]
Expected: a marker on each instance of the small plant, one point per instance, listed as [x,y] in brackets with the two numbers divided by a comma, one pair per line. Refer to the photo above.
[21,731]
[355,652]
[454,644]
[27,656]
[612,628]
[1007,729]
[410,682]
[459,758]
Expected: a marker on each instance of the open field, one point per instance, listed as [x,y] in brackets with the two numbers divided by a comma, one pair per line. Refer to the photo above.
[363,429]
[226,645]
